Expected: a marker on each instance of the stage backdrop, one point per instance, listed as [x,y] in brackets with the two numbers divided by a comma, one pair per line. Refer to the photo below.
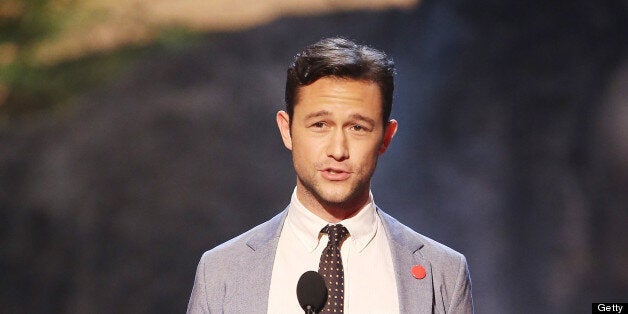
[511,149]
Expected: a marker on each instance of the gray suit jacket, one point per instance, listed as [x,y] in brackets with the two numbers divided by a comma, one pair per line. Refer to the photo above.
[234,277]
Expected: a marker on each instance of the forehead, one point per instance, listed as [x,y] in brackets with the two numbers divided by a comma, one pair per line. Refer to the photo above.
[341,94]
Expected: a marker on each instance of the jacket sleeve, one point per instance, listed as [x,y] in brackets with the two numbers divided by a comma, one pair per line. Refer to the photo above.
[462,301]
[198,300]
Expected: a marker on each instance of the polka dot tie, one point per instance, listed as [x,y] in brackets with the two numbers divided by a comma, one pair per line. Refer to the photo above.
[330,268]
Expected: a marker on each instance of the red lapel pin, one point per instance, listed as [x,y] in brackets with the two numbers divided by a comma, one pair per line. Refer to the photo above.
[418,272]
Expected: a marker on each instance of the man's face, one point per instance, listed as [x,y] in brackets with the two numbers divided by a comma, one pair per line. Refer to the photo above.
[336,136]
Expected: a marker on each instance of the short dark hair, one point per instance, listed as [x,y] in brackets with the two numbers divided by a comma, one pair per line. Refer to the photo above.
[340,57]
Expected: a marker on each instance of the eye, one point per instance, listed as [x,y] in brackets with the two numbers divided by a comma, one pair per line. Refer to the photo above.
[319,124]
[358,128]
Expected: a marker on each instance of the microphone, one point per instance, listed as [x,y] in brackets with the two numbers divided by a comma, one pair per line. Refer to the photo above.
[311,292]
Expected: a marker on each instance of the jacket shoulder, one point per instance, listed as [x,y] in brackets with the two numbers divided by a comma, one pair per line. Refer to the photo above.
[245,242]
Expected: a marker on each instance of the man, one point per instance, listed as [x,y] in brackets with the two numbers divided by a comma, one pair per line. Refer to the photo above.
[336,123]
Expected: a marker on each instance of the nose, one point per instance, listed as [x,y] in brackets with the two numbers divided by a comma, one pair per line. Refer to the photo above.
[337,147]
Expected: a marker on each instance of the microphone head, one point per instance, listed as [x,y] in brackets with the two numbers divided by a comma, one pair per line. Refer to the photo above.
[312,291]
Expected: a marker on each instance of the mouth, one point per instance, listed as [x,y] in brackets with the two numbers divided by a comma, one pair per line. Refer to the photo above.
[335,174]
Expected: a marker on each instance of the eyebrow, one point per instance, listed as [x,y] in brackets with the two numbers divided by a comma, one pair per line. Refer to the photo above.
[321,113]
[355,116]
[358,116]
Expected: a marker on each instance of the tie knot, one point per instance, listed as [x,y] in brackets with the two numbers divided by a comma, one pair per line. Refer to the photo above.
[337,233]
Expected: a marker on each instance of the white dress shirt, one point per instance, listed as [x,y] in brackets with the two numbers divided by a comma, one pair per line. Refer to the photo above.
[370,285]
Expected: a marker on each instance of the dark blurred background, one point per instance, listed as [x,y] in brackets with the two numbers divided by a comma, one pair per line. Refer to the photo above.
[121,162]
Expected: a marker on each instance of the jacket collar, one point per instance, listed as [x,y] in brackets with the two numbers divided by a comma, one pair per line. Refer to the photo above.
[267,235]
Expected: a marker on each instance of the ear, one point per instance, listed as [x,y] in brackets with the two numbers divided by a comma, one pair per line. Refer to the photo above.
[283,122]
[389,132]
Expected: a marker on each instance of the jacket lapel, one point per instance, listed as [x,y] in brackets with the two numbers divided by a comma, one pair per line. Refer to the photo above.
[415,295]
[263,245]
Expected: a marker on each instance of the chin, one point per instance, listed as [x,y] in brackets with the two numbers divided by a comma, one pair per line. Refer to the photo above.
[337,199]
[335,194]
[334,200]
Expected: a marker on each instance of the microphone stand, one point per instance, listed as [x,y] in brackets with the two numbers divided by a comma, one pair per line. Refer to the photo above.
[309,310]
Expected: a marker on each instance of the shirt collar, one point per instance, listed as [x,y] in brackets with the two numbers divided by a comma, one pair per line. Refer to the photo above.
[306,226]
